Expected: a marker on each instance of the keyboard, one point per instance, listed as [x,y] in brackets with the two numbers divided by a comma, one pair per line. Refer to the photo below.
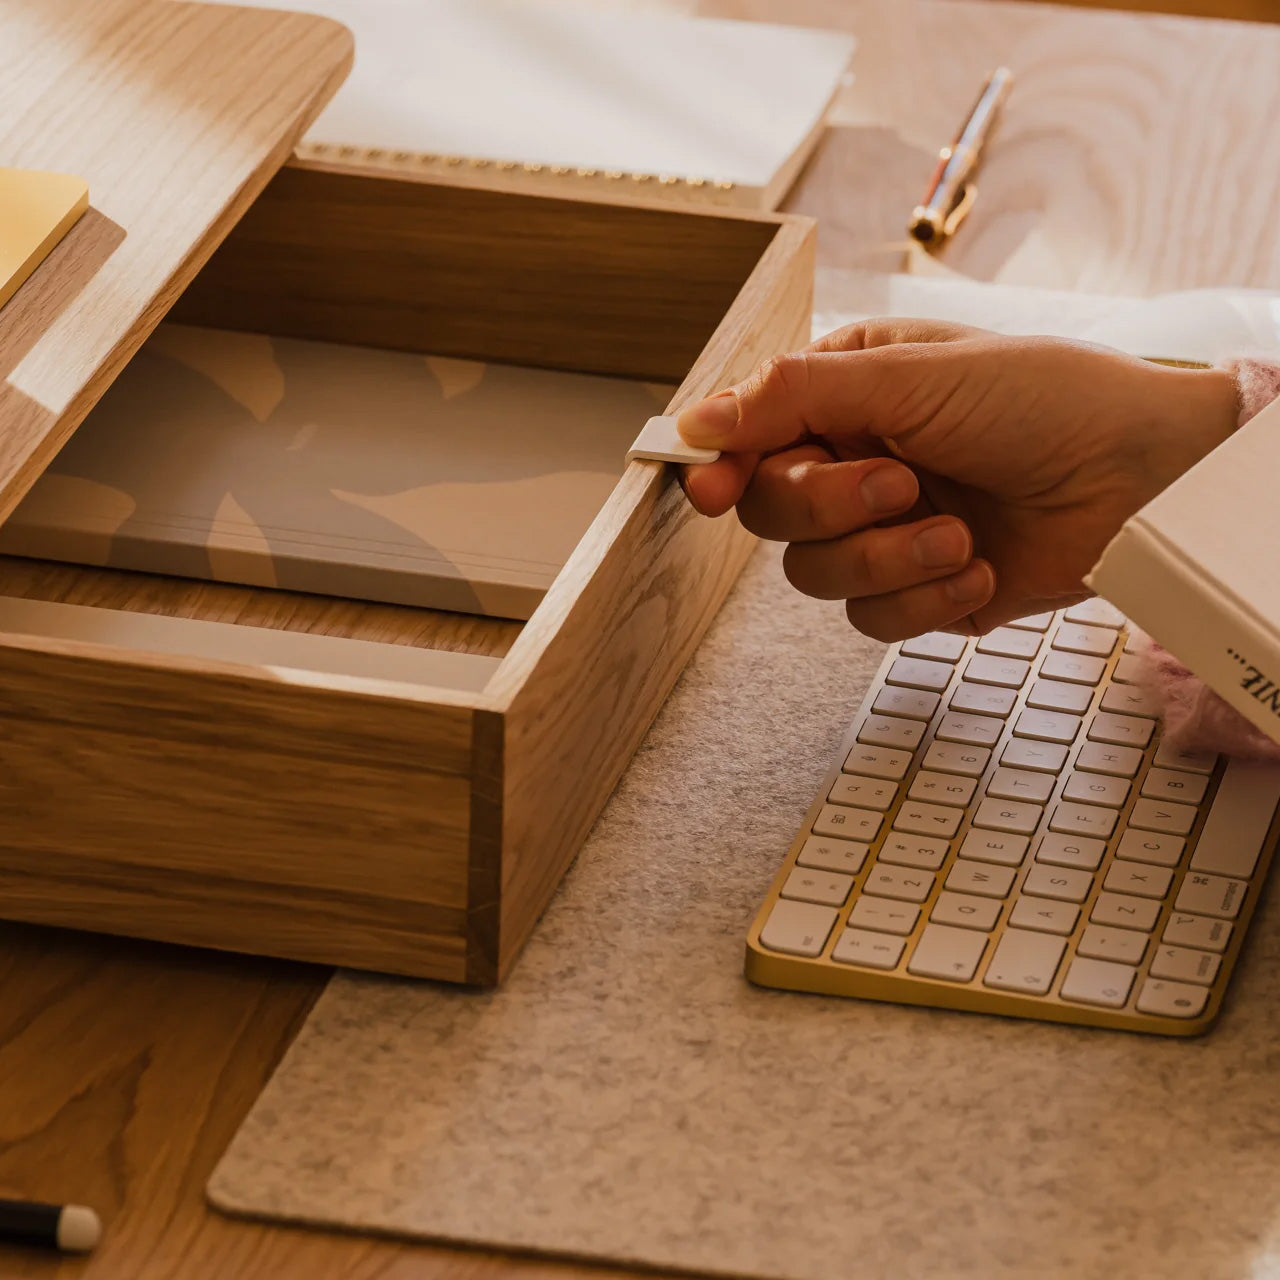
[1003,831]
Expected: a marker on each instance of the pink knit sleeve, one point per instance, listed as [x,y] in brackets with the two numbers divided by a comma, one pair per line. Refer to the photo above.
[1194,716]
[1258,383]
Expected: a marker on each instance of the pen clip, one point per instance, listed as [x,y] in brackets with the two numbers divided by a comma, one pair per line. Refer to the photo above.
[965,198]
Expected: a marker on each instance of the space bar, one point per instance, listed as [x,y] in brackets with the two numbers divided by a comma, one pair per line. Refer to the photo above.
[1237,826]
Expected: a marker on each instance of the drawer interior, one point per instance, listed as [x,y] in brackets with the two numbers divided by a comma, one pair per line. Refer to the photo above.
[442,271]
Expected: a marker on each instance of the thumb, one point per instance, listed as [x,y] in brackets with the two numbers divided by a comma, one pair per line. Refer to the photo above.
[877,378]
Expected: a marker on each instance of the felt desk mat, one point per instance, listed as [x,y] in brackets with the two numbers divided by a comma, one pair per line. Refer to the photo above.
[627,1095]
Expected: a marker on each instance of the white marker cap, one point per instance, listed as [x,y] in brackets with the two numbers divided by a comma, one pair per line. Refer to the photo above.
[78,1228]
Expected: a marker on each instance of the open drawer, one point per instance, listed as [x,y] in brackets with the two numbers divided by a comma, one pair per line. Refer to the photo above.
[376,785]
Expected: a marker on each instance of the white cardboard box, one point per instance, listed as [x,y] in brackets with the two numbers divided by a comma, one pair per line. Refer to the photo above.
[1199,569]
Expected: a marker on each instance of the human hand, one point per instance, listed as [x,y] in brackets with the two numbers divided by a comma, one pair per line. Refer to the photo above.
[937,476]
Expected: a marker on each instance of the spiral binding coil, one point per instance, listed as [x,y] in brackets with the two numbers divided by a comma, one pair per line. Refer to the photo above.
[500,173]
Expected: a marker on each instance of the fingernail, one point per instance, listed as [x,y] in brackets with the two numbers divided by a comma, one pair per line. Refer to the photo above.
[971,586]
[939,546]
[888,490]
[709,423]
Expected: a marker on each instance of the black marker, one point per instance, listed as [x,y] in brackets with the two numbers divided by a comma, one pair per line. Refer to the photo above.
[69,1227]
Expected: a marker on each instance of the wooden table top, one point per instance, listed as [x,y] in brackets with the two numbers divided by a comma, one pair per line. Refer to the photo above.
[1138,154]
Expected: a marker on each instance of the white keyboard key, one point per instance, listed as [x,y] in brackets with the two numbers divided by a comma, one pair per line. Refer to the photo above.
[1121,945]
[821,854]
[1064,883]
[847,824]
[1137,877]
[1151,846]
[994,846]
[1170,757]
[871,950]
[1125,912]
[1135,640]
[1159,815]
[1071,851]
[1128,669]
[890,731]
[922,852]
[956,757]
[797,928]
[1045,915]
[827,888]
[1020,784]
[1009,642]
[927,819]
[1008,815]
[1211,895]
[1096,613]
[984,699]
[946,952]
[1036,622]
[920,673]
[940,646]
[1024,961]
[1236,828]
[884,915]
[1048,726]
[1073,667]
[1102,757]
[1008,673]
[1181,964]
[1057,695]
[877,762]
[981,878]
[1027,753]
[1096,788]
[966,911]
[1074,637]
[1074,819]
[1197,931]
[901,883]
[1130,700]
[911,704]
[1125,731]
[942,788]
[1170,784]
[972,730]
[869,793]
[1172,999]
[1101,982]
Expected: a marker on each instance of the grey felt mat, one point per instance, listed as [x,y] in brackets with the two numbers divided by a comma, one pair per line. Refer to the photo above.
[628,1096]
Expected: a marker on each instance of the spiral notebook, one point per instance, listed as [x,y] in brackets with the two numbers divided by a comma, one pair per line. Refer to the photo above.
[570,99]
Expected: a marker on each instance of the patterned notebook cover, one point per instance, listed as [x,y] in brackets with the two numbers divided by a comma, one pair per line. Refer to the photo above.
[349,471]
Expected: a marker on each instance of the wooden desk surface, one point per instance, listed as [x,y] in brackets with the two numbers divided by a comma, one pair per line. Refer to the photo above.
[1138,154]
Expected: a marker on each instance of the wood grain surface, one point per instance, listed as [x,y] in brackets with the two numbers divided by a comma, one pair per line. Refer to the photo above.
[256,607]
[1143,158]
[594,665]
[344,257]
[182,116]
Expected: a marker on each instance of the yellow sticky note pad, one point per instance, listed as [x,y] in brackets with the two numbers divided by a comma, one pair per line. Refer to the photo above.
[36,210]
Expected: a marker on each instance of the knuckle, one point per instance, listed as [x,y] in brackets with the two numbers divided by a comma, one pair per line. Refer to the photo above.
[869,562]
[821,517]
[785,376]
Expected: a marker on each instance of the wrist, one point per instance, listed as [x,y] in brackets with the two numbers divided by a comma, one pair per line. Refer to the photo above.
[1200,409]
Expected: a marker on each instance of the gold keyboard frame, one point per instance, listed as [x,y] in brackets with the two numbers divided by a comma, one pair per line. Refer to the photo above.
[825,976]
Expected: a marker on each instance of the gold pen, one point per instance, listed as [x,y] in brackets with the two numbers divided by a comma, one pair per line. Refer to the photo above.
[951,194]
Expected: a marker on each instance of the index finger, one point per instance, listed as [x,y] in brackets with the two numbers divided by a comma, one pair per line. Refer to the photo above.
[856,378]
